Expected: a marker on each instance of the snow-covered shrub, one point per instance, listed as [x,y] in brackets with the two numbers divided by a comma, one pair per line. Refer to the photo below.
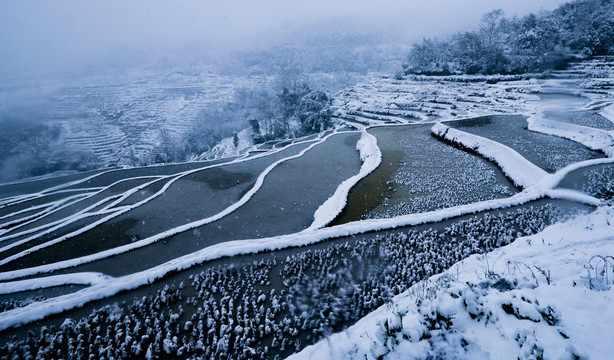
[531,43]
[471,320]
[600,272]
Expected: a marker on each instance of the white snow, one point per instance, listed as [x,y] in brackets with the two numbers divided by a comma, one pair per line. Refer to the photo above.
[572,195]
[520,170]
[558,304]
[608,112]
[226,147]
[592,138]
[82,278]
[371,157]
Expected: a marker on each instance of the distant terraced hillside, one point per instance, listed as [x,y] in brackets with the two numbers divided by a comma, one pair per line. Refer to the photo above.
[126,120]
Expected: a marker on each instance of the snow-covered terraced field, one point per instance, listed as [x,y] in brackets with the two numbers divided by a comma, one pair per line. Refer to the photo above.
[266,253]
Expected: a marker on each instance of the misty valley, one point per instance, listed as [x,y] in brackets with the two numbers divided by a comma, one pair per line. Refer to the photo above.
[334,194]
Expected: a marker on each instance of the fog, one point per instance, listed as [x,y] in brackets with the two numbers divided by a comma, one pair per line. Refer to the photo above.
[67,36]
[105,83]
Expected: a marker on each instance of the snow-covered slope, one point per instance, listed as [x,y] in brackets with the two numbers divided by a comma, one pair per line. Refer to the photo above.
[434,98]
[429,99]
[543,296]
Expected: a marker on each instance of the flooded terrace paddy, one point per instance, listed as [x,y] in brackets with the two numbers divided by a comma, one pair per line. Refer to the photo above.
[570,108]
[144,193]
[550,153]
[187,199]
[582,118]
[40,210]
[419,173]
[596,180]
[285,203]
[305,293]
[24,242]
[38,185]
[112,192]
[553,99]
[35,202]
[115,175]
[98,178]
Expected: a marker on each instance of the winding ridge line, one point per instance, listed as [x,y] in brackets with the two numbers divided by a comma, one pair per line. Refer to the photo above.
[144,242]
[123,210]
[77,216]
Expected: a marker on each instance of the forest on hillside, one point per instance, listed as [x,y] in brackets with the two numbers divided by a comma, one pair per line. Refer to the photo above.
[516,45]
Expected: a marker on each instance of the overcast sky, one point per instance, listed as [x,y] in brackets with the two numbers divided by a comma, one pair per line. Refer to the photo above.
[40,35]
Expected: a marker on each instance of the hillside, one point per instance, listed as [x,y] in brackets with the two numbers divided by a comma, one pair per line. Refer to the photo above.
[263,254]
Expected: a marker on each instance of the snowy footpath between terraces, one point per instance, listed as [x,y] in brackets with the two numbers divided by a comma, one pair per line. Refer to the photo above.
[546,296]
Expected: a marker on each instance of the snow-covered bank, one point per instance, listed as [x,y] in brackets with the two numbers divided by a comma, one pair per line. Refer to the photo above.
[608,112]
[84,278]
[592,138]
[535,297]
[521,171]
[371,157]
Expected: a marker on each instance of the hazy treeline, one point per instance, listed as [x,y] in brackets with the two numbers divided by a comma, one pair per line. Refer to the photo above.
[37,148]
[533,43]
[289,107]
[333,46]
